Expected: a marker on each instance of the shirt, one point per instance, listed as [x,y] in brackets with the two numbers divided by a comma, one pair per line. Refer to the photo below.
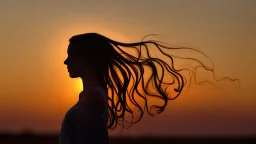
[79,126]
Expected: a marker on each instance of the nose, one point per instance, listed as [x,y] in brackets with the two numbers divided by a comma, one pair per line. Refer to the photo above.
[66,61]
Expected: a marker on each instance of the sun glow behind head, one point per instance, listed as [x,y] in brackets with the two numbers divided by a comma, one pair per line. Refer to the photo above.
[57,53]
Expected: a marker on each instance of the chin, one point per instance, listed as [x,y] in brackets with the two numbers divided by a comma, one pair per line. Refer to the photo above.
[73,76]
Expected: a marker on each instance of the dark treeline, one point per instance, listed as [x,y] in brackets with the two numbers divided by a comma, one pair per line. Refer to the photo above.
[26,138]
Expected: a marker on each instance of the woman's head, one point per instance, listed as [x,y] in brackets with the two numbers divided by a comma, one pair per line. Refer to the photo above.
[88,51]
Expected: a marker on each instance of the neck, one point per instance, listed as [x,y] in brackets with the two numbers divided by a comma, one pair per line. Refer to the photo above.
[90,82]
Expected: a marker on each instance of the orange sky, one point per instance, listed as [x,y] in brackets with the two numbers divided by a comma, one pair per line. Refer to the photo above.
[36,91]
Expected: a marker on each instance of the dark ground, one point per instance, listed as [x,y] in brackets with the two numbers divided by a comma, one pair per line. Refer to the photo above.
[53,139]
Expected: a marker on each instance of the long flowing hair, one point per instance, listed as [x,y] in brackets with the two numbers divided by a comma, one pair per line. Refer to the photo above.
[133,75]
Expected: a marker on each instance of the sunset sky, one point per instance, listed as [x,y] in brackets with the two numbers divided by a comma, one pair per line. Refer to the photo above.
[36,91]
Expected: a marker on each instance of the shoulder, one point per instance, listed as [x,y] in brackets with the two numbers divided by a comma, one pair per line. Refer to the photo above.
[94,101]
[76,114]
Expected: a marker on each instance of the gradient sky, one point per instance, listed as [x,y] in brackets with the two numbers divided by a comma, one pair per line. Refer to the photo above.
[36,91]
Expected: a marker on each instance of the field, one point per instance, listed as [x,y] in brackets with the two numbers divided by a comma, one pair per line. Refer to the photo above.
[53,139]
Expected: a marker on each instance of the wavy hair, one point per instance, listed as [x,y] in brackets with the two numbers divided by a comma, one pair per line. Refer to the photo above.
[133,75]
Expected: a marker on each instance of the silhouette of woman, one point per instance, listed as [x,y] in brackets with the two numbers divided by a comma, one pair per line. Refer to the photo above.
[117,85]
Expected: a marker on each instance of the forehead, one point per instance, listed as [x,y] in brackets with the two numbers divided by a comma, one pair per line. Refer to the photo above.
[74,51]
[71,49]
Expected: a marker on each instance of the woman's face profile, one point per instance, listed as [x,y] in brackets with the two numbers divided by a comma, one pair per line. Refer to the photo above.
[75,63]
